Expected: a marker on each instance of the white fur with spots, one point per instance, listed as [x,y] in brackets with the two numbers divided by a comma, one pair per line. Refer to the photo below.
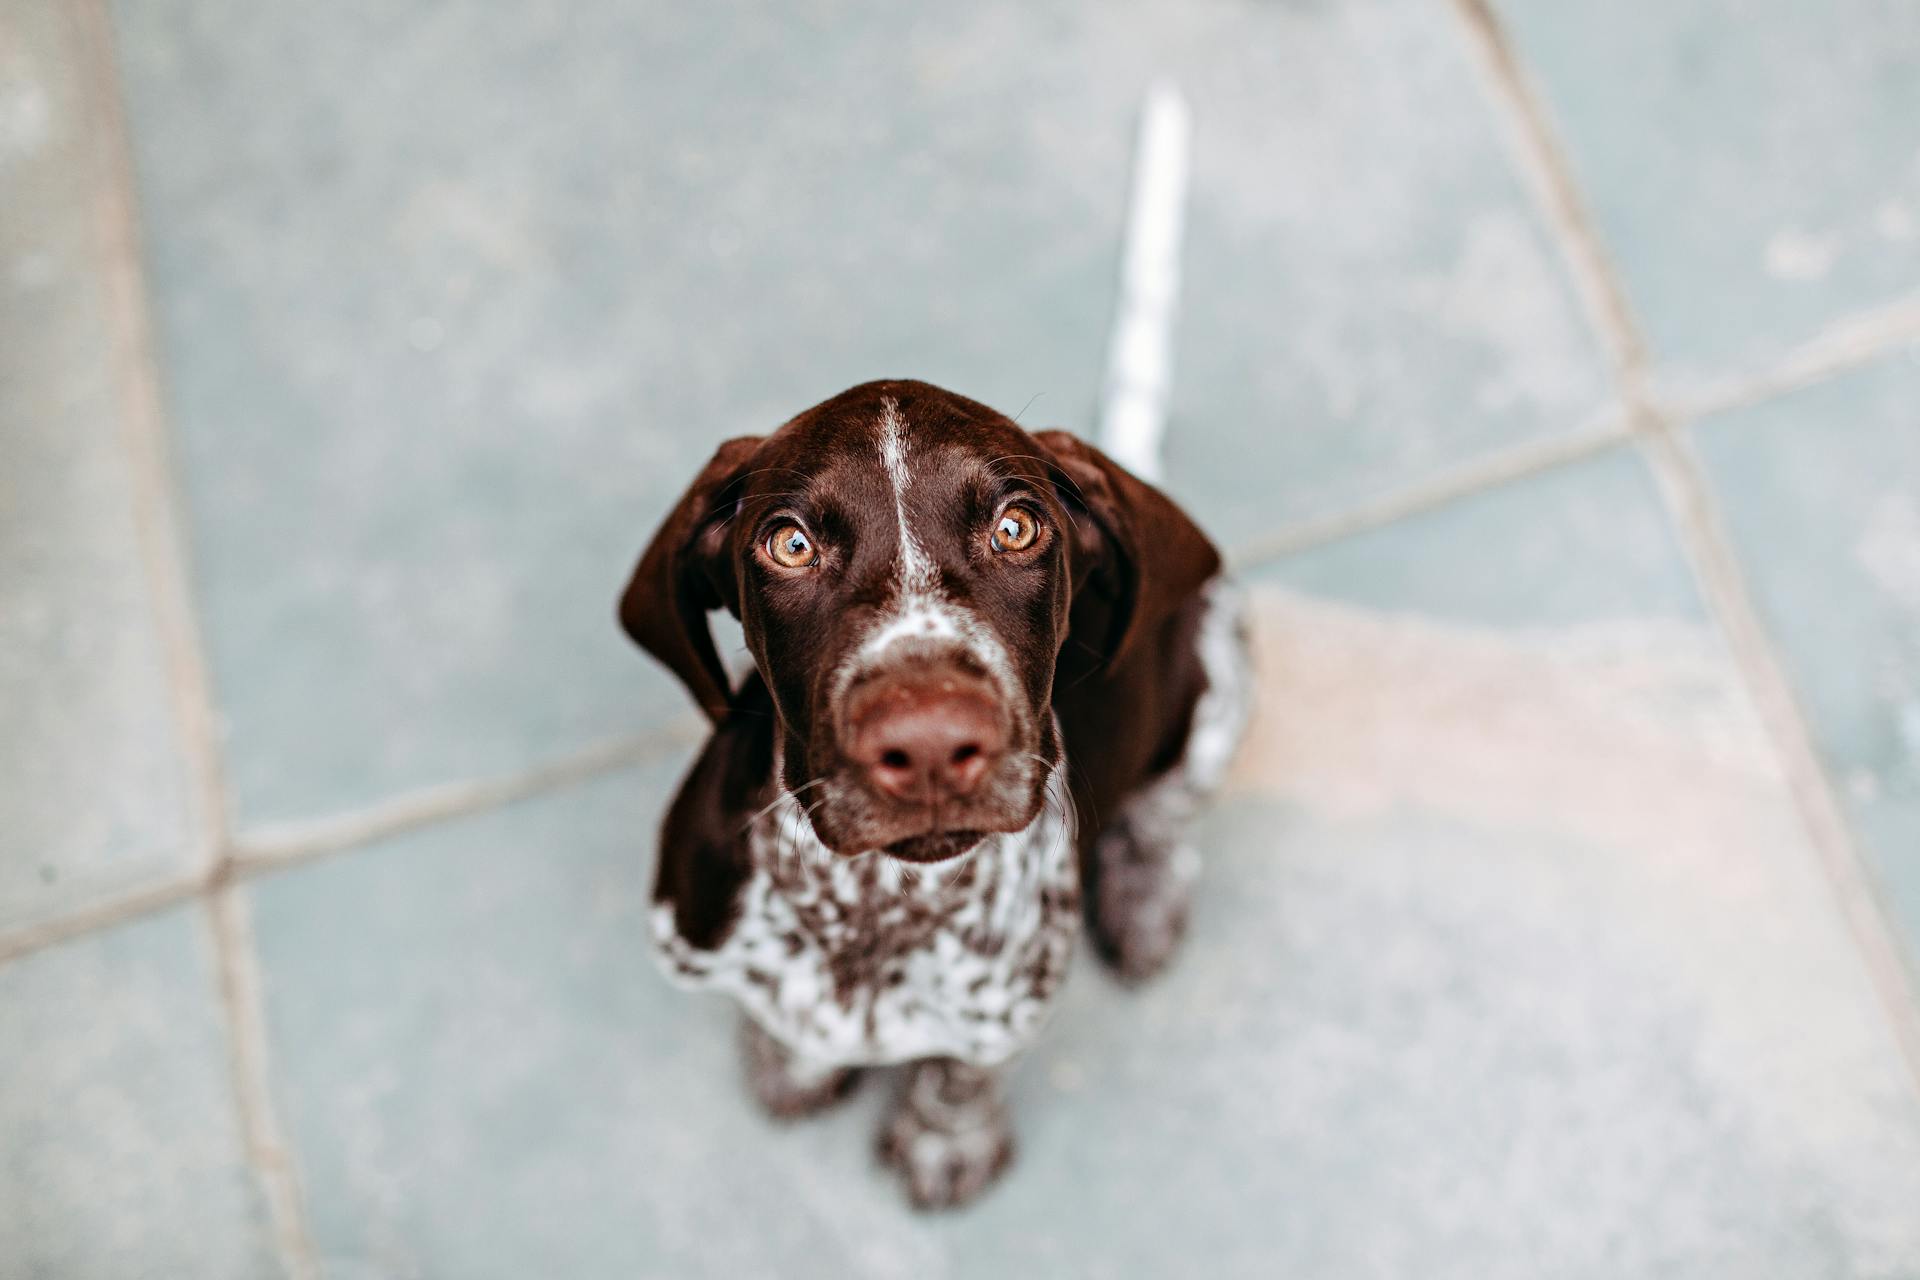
[1146,856]
[976,986]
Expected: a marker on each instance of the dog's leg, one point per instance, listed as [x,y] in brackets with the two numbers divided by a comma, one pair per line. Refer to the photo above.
[1145,861]
[787,1086]
[948,1133]
[1145,866]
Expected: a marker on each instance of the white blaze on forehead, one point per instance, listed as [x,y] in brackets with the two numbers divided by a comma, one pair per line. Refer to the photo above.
[917,576]
[918,610]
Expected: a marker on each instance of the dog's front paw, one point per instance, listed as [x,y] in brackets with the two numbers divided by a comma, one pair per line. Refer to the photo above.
[1140,904]
[786,1087]
[948,1136]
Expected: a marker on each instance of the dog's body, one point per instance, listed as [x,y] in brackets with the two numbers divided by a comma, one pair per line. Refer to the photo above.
[910,667]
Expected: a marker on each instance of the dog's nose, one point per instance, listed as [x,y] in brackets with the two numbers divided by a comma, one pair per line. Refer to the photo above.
[926,738]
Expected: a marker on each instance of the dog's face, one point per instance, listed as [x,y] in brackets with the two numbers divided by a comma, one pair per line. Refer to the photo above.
[907,566]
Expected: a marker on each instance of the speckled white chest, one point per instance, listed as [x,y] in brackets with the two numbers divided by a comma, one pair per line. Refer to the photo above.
[867,961]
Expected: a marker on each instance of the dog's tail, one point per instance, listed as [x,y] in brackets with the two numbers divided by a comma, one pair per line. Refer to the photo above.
[1133,411]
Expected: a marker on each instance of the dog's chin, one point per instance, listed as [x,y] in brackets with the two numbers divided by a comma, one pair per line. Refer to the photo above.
[907,835]
[935,846]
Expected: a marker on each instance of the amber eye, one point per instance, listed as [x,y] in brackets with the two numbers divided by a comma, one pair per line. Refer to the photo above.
[1015,530]
[791,548]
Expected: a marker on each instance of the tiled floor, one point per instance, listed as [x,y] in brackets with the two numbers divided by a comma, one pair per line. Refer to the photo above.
[1579,491]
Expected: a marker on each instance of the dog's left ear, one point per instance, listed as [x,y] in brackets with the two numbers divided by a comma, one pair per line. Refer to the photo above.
[1137,556]
[683,576]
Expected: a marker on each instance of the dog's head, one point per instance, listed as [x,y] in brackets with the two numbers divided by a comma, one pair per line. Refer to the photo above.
[912,571]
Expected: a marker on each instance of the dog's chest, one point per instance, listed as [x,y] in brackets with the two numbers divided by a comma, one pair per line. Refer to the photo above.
[869,960]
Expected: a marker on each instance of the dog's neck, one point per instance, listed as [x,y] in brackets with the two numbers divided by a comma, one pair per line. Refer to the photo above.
[866,959]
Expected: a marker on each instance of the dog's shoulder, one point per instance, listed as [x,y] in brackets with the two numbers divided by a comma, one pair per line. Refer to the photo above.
[704,858]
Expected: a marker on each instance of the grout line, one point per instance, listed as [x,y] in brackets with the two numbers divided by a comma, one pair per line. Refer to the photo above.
[1848,344]
[1845,345]
[163,548]
[1545,169]
[99,915]
[1688,496]
[242,993]
[282,848]
[288,844]
[1852,342]
[1690,500]
[1604,431]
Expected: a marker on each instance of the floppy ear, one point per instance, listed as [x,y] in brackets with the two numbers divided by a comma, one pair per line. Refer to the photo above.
[683,575]
[1137,556]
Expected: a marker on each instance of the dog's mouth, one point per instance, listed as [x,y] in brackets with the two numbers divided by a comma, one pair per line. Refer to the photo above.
[935,846]
[853,820]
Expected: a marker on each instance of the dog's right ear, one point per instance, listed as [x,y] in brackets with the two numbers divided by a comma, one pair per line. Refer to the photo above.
[683,576]
[1146,556]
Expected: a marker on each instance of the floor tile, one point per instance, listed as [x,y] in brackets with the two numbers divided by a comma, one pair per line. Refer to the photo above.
[1754,168]
[1821,492]
[120,1148]
[1585,544]
[455,300]
[1509,961]
[1539,937]
[92,779]
[1368,297]
[495,1080]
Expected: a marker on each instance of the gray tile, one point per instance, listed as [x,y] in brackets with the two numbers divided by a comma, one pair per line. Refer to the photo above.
[494,1080]
[1423,1035]
[1549,979]
[1509,961]
[1369,298]
[92,780]
[456,299]
[120,1148]
[1821,493]
[1586,543]
[1754,167]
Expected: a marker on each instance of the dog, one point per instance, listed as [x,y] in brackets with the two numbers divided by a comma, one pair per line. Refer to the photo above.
[994,676]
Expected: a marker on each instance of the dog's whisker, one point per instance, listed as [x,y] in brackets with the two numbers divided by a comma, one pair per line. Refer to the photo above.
[1054,473]
[959,865]
[733,499]
[784,796]
[745,476]
[802,816]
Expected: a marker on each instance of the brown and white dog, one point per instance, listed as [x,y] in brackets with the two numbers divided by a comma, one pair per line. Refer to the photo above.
[963,636]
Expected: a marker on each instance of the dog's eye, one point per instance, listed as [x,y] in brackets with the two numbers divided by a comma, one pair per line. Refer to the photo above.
[791,548]
[1016,530]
